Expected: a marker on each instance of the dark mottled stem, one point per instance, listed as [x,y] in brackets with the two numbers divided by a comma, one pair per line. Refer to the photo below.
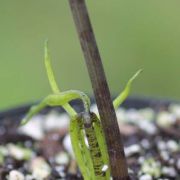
[101,90]
[94,147]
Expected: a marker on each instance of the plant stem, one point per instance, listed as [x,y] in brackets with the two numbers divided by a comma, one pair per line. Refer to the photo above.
[102,94]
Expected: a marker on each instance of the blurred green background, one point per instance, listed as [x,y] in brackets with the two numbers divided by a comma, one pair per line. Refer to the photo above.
[130,34]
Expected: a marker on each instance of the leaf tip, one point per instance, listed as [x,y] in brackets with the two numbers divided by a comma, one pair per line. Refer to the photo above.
[136,74]
[23,122]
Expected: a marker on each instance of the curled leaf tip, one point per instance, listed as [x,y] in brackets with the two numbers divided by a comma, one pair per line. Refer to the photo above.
[136,74]
[46,42]
[140,71]
[122,96]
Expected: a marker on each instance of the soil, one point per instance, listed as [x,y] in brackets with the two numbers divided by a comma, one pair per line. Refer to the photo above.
[151,138]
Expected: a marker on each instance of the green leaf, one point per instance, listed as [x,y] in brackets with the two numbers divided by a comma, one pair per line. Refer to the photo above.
[124,94]
[49,70]
[58,99]
[52,80]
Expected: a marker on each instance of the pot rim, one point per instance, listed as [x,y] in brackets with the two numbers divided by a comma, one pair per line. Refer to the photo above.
[136,102]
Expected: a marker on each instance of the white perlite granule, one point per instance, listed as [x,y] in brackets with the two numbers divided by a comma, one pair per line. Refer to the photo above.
[16,175]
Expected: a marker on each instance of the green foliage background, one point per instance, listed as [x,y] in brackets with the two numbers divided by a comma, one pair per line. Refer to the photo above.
[130,34]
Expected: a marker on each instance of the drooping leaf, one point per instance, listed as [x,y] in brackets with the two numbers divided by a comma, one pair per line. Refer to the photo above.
[58,99]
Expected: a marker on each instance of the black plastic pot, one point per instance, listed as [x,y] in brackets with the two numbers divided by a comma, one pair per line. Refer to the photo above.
[11,118]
